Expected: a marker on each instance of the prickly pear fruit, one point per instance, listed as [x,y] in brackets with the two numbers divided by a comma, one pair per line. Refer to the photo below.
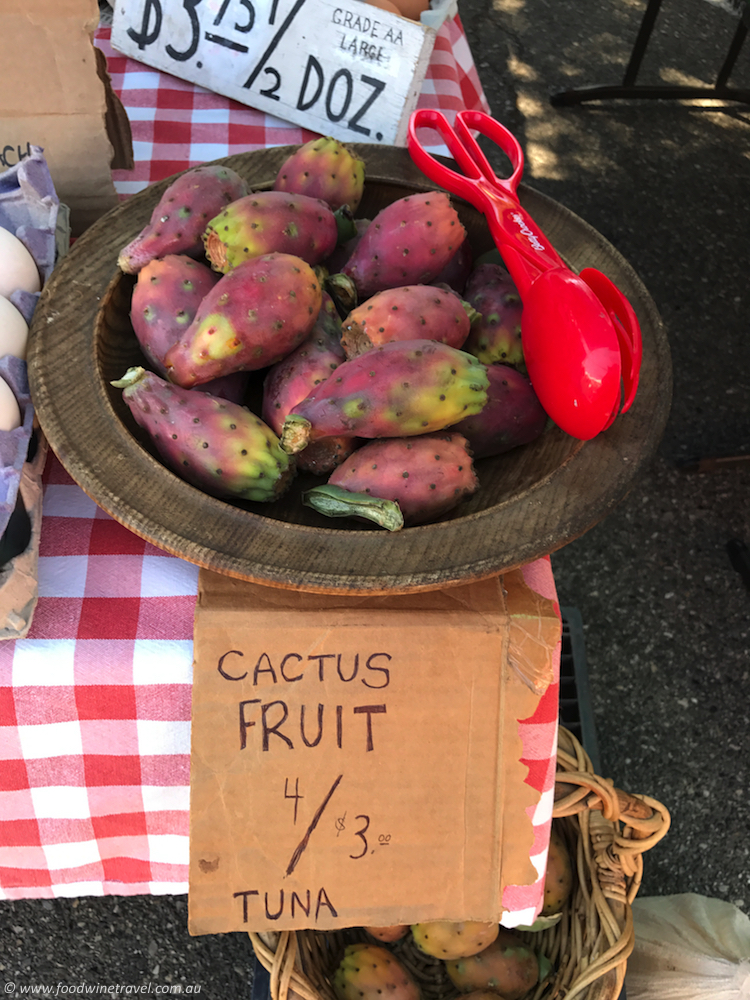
[507,966]
[426,476]
[217,446]
[394,932]
[401,389]
[513,414]
[447,939]
[164,303]
[251,318]
[406,313]
[456,272]
[558,882]
[408,242]
[178,221]
[324,168]
[272,222]
[341,253]
[495,337]
[371,972]
[292,379]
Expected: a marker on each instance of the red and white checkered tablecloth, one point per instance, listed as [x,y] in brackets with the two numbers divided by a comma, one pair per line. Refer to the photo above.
[95,701]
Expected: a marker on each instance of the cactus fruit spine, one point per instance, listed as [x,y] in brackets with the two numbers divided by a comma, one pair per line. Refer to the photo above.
[179,219]
[251,318]
[217,446]
[324,168]
[401,389]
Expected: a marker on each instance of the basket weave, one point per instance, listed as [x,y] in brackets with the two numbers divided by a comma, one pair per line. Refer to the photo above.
[607,831]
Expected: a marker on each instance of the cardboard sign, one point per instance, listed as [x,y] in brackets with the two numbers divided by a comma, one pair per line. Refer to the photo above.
[342,68]
[357,760]
[56,96]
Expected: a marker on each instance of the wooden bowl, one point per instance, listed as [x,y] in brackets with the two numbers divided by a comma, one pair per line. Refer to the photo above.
[531,501]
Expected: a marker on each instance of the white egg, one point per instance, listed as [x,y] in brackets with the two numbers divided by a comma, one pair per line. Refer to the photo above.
[10,411]
[14,330]
[17,267]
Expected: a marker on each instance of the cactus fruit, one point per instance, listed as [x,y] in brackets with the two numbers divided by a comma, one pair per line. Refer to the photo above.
[341,253]
[324,168]
[456,272]
[558,882]
[426,476]
[164,303]
[217,446]
[507,966]
[401,389]
[251,318]
[409,242]
[292,379]
[495,337]
[448,939]
[371,972]
[178,221]
[513,415]
[406,313]
[274,222]
[389,934]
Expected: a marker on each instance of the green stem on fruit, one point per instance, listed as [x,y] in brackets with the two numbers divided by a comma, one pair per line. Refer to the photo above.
[131,377]
[334,501]
[295,434]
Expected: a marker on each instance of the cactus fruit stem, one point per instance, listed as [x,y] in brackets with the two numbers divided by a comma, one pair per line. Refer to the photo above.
[345,224]
[295,434]
[131,377]
[334,501]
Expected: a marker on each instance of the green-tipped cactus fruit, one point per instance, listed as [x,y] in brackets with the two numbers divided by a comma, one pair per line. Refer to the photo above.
[406,313]
[409,242]
[252,318]
[324,168]
[274,222]
[402,389]
[507,966]
[449,939]
[219,447]
[495,336]
[178,221]
[371,972]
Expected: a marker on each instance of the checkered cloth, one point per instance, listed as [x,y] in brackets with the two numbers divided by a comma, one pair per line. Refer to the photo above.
[95,701]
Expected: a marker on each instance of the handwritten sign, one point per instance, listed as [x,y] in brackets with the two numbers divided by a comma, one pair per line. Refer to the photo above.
[355,761]
[338,67]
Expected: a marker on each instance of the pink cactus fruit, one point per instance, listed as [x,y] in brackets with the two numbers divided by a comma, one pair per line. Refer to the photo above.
[406,313]
[426,476]
[251,318]
[401,389]
[372,972]
[495,337]
[513,415]
[165,300]
[273,222]
[324,168]
[179,219]
[221,448]
[408,242]
[343,251]
[456,272]
[293,378]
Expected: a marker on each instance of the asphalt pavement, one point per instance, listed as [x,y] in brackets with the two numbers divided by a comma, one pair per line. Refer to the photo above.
[658,583]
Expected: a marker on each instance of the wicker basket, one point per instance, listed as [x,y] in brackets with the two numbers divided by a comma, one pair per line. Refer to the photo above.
[607,831]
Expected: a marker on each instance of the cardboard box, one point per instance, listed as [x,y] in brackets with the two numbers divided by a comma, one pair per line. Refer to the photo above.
[57,96]
[358,760]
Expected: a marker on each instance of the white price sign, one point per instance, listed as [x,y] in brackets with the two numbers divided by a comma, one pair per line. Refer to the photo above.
[338,67]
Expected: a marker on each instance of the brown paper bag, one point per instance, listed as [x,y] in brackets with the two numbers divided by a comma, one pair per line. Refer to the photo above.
[57,95]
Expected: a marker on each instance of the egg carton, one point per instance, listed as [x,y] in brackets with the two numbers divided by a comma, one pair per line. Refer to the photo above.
[31,211]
